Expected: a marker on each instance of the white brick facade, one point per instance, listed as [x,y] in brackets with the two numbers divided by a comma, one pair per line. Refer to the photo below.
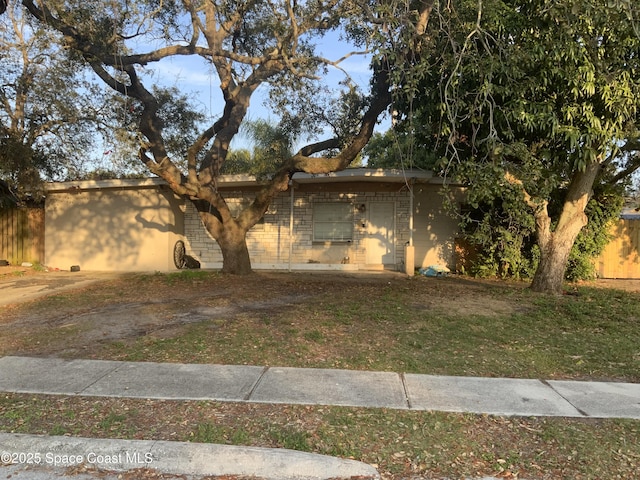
[274,244]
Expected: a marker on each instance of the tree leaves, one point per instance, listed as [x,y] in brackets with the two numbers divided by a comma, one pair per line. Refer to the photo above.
[49,112]
[538,90]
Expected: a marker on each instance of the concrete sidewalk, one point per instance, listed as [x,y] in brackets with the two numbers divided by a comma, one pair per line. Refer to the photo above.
[238,383]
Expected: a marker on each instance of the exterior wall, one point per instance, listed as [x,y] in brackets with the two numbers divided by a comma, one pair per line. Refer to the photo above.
[116,229]
[267,242]
[272,246]
[435,229]
[621,257]
[132,225]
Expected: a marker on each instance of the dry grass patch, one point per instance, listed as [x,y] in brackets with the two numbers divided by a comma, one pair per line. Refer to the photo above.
[401,444]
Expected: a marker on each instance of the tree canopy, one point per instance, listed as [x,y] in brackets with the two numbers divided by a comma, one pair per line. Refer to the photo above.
[50,112]
[534,99]
[400,149]
[272,144]
[532,102]
[247,44]
[43,120]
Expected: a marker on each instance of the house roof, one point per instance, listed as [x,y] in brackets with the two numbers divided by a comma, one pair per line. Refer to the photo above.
[368,175]
[242,180]
[124,183]
[630,214]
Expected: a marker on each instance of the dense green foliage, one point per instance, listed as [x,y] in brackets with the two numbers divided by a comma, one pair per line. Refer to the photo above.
[396,149]
[532,104]
[502,234]
[271,146]
[179,115]
[21,167]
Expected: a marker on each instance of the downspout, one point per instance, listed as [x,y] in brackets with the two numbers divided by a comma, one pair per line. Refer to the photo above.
[291,224]
[409,250]
[411,212]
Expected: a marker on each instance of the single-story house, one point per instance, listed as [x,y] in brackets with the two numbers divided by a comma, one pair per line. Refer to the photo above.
[350,220]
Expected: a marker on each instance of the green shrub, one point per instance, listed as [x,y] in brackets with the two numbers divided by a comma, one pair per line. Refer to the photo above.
[503,234]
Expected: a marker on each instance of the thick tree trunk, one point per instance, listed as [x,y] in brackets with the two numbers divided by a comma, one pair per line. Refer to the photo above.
[230,235]
[555,246]
[549,275]
[235,254]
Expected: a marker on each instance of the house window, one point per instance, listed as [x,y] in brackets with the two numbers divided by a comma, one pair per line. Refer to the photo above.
[332,222]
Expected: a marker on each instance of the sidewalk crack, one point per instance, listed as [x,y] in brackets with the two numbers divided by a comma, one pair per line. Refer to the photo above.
[109,372]
[406,391]
[578,409]
[247,397]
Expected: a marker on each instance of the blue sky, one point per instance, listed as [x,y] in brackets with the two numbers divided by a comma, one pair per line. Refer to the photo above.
[197,79]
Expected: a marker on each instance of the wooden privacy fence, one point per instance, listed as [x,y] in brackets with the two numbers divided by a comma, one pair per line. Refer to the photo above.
[621,257]
[22,235]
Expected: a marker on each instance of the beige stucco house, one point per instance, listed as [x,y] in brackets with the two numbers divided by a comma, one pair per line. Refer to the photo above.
[112,225]
[356,219]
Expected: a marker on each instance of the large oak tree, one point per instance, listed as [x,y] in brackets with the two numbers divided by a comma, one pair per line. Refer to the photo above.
[247,44]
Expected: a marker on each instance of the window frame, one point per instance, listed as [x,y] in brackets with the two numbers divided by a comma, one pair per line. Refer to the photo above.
[348,222]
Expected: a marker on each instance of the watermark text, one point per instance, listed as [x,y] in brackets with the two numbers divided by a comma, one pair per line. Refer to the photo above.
[57,459]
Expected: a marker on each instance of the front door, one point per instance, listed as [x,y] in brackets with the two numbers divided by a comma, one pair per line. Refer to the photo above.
[381,233]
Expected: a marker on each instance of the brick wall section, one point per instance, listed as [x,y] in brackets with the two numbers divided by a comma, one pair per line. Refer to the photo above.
[269,242]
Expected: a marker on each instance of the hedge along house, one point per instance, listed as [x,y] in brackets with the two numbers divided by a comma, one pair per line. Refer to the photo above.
[356,219]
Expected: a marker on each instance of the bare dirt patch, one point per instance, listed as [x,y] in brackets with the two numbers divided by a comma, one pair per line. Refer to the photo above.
[125,307]
[467,296]
[72,322]
[18,271]
[617,284]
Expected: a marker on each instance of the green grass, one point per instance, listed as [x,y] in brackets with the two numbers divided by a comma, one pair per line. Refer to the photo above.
[401,444]
[593,334]
[291,438]
[436,326]
[440,326]
[208,433]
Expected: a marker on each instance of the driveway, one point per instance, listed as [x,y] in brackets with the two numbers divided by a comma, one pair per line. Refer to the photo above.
[21,284]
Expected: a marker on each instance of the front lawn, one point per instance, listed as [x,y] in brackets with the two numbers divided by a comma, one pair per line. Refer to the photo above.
[452,326]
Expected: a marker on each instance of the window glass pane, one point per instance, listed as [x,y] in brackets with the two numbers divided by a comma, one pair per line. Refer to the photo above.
[332,213]
[332,222]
